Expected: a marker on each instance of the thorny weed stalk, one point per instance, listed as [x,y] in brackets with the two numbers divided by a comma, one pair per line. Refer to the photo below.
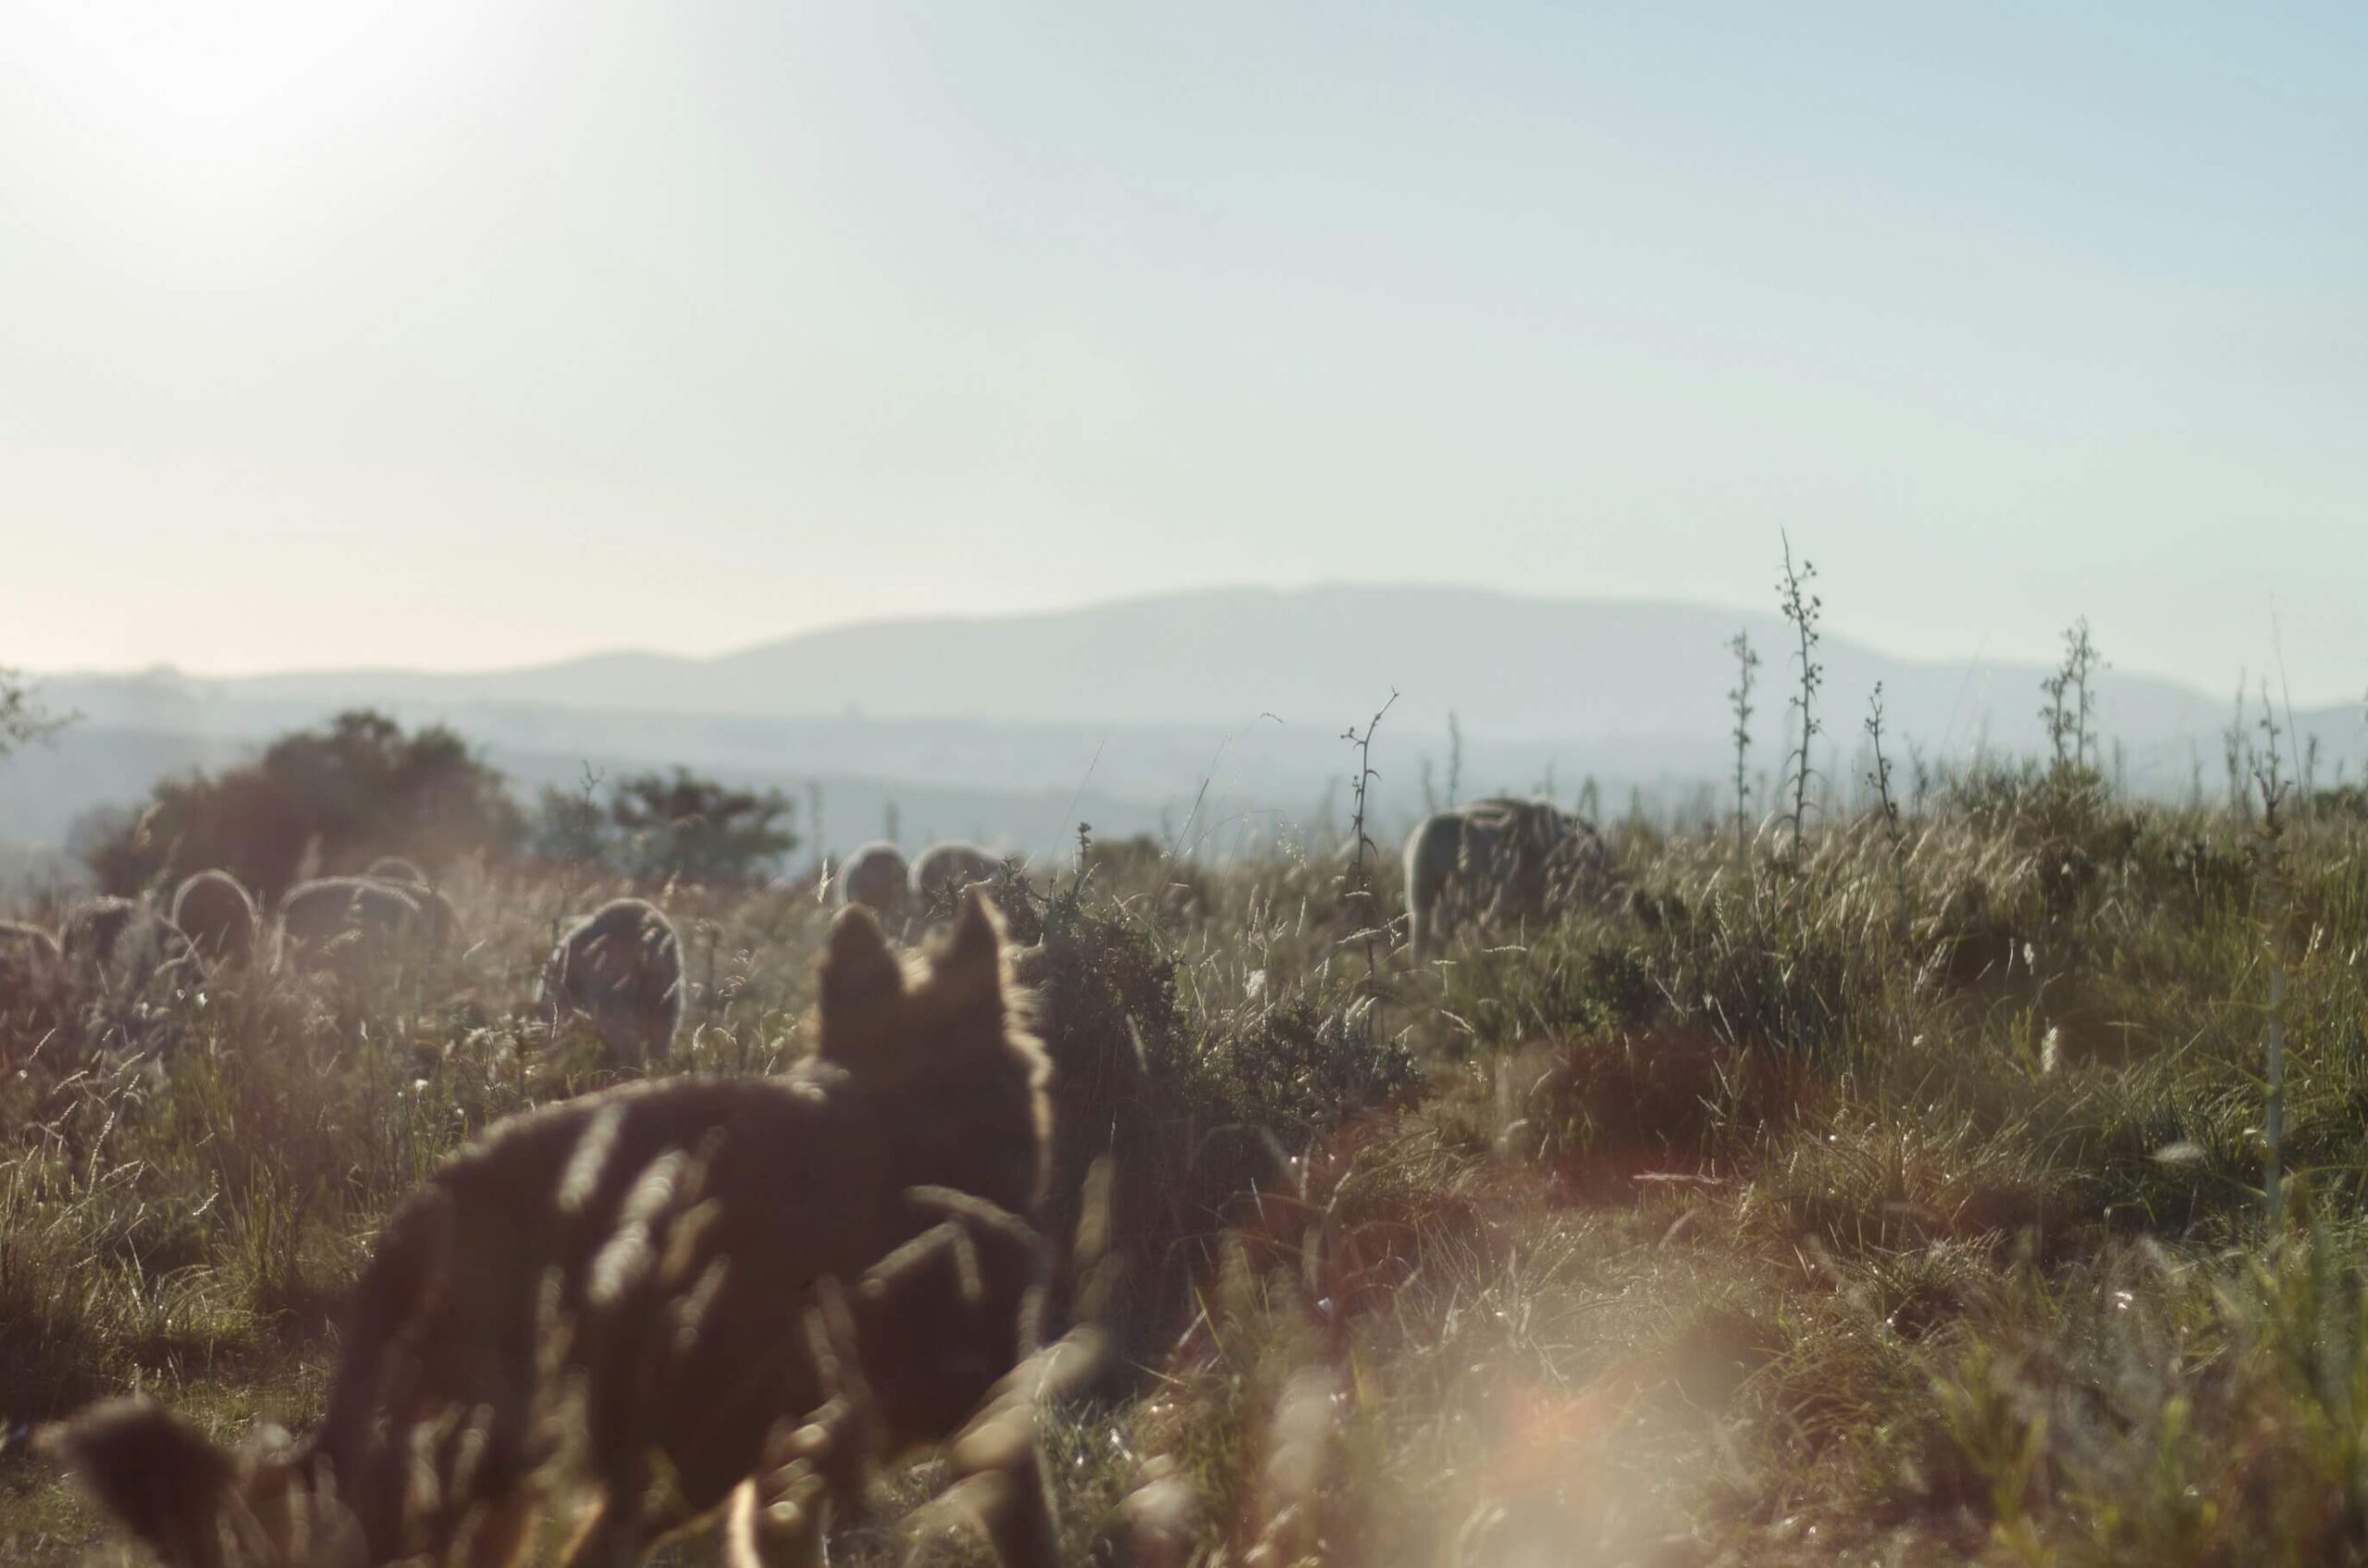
[1879,776]
[2269,778]
[2071,699]
[1802,609]
[2273,786]
[2053,714]
[1454,758]
[2234,752]
[2293,735]
[1739,703]
[2081,657]
[1361,891]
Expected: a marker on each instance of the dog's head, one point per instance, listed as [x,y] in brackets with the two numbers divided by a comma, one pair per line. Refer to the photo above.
[946,1038]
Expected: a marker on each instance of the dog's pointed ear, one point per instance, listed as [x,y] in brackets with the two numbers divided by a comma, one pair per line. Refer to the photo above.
[971,963]
[157,1474]
[857,969]
[978,933]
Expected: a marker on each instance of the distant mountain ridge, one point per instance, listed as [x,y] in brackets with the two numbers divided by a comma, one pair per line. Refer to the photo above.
[1205,714]
[1513,667]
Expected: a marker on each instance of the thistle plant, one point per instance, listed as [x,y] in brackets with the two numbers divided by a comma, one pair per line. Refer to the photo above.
[1361,885]
[2269,780]
[2070,690]
[1739,701]
[1879,776]
[1801,608]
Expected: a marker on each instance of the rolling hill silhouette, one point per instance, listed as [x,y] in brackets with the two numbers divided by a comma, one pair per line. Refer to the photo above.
[1233,698]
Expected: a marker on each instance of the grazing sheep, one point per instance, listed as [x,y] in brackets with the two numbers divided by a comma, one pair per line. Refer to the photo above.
[219,916]
[876,877]
[92,928]
[1495,860]
[346,922]
[942,871]
[120,944]
[438,918]
[396,869]
[443,921]
[750,1290]
[622,966]
[22,942]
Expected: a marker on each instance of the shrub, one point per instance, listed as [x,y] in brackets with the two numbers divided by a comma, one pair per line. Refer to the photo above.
[354,789]
[698,829]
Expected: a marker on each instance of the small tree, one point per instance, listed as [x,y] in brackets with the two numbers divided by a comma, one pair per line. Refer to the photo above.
[569,828]
[696,828]
[112,842]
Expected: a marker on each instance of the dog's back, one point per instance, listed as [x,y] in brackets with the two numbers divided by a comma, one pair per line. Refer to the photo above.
[642,1274]
[547,1246]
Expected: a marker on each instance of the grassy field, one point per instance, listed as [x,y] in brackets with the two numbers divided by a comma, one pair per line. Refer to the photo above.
[1902,1205]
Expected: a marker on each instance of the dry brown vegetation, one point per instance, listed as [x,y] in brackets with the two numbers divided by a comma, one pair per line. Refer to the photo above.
[1899,1204]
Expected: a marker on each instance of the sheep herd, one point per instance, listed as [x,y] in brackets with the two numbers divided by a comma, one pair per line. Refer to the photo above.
[619,967]
[1490,863]
[213,922]
[652,1252]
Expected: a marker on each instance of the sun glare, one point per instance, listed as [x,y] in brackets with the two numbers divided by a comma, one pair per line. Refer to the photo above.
[234,102]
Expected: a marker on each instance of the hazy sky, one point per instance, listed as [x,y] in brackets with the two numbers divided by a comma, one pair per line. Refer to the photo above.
[455,333]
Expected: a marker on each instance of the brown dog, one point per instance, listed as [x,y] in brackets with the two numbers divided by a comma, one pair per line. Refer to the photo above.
[666,1294]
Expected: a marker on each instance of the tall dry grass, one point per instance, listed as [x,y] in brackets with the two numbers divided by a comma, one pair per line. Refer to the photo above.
[1899,1203]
